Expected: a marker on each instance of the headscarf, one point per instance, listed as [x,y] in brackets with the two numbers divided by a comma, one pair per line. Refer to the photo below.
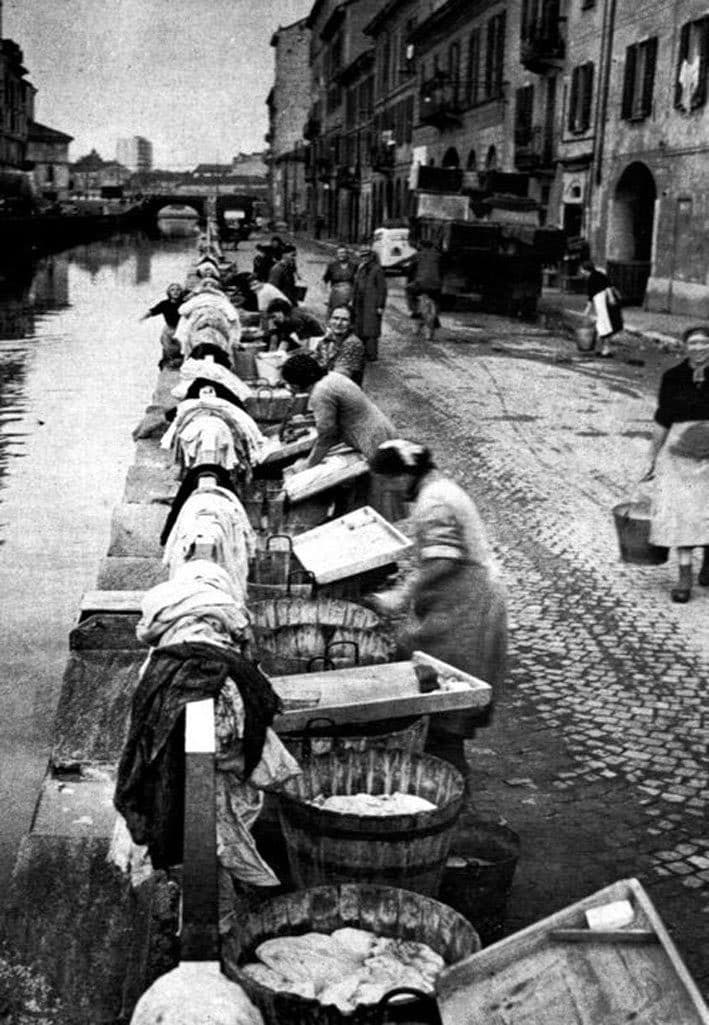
[401,456]
[699,359]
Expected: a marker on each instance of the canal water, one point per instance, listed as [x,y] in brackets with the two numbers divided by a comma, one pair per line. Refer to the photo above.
[76,372]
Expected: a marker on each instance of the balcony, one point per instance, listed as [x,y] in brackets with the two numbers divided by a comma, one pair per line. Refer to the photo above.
[440,102]
[383,157]
[535,149]
[542,48]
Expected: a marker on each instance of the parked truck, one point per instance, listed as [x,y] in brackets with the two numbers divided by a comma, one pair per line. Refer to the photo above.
[492,243]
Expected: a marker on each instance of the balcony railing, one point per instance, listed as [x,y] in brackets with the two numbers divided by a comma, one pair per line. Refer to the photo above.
[542,46]
[440,101]
[535,148]
[383,156]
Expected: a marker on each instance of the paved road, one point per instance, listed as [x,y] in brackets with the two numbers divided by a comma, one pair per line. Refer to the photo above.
[598,752]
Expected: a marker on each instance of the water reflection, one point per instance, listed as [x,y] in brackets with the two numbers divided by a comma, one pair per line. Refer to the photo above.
[76,372]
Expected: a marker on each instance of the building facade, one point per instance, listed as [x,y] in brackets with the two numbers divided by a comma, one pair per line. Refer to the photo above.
[16,112]
[48,151]
[135,153]
[92,177]
[288,107]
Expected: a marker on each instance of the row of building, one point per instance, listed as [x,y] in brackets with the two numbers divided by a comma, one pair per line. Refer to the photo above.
[601,104]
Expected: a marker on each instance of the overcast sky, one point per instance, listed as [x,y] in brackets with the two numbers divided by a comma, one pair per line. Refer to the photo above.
[190,75]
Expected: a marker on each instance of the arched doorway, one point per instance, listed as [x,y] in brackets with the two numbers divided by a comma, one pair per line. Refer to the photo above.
[630,230]
[472,163]
[491,159]
[451,158]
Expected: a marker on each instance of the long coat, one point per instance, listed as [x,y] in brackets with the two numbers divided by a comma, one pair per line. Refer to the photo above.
[370,295]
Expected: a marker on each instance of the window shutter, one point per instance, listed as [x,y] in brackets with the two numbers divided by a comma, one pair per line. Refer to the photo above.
[489,57]
[631,56]
[587,96]
[500,52]
[700,95]
[573,99]
[683,52]
[649,75]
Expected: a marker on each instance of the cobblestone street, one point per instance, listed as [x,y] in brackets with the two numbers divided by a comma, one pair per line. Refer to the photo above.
[597,755]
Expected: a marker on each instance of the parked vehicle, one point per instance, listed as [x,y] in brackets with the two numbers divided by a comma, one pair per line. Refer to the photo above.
[392,246]
[492,243]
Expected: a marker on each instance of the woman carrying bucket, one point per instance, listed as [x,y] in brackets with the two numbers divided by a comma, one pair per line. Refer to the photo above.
[679,461]
[603,300]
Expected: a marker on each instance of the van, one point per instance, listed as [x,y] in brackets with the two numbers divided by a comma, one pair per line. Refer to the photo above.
[391,244]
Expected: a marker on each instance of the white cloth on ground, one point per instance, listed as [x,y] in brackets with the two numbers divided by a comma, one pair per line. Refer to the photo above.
[233,535]
[603,320]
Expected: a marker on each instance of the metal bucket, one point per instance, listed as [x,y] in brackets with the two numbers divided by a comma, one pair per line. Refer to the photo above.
[632,524]
[585,338]
[478,875]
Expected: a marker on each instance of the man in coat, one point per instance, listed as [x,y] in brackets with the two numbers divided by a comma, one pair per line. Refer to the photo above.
[283,275]
[368,301]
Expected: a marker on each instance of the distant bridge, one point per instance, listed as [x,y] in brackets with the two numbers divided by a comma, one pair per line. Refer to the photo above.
[153,203]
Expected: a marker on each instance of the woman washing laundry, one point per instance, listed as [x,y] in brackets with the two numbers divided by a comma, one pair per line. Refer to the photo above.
[604,302]
[679,461]
[454,596]
[342,411]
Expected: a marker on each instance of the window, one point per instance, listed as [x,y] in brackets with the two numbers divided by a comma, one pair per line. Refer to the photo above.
[384,66]
[585,4]
[581,98]
[523,115]
[454,67]
[691,83]
[495,56]
[409,119]
[639,80]
[472,82]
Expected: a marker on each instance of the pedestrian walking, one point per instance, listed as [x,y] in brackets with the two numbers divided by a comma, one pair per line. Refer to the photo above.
[679,461]
[424,288]
[368,301]
[342,411]
[604,301]
[340,349]
[169,309]
[455,600]
[339,275]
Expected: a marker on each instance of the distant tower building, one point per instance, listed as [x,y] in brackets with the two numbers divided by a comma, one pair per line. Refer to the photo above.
[135,153]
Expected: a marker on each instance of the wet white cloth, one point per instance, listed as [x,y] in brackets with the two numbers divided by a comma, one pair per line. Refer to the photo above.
[200,602]
[209,370]
[245,431]
[266,293]
[220,513]
[202,307]
[207,439]
[374,804]
[680,503]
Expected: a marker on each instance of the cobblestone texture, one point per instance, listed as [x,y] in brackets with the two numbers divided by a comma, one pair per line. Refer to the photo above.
[597,754]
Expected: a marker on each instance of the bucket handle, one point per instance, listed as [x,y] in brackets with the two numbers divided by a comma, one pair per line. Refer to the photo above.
[327,664]
[280,537]
[433,1014]
[306,578]
[352,644]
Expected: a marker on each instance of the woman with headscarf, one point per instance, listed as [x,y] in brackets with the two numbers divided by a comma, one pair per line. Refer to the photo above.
[339,275]
[455,599]
[679,461]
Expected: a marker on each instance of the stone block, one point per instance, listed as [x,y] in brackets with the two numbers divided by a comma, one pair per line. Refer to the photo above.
[135,530]
[130,574]
[151,485]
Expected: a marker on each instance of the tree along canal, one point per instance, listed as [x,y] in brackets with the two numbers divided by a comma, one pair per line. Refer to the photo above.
[76,372]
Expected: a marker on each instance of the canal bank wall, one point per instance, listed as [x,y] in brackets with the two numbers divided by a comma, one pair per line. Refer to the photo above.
[41,234]
[97,925]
